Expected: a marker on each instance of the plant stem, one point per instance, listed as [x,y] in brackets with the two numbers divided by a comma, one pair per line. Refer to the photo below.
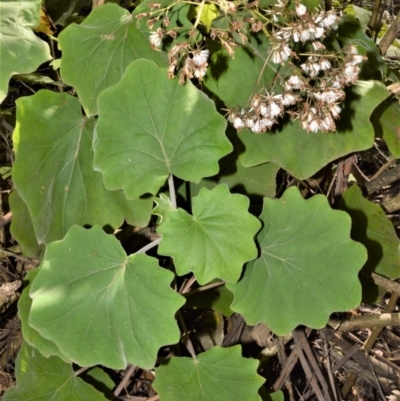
[186,339]
[171,187]
[149,246]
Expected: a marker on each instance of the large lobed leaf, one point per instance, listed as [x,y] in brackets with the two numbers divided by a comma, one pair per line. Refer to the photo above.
[215,375]
[21,51]
[44,379]
[219,236]
[100,306]
[308,267]
[32,337]
[53,170]
[150,127]
[302,154]
[97,52]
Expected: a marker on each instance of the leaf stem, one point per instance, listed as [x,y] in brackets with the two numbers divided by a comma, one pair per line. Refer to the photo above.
[81,370]
[148,246]
[186,338]
[171,187]
[204,288]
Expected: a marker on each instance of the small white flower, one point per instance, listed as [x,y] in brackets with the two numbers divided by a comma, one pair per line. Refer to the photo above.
[264,110]
[199,72]
[301,9]
[281,53]
[266,123]
[313,126]
[324,64]
[275,110]
[156,37]
[256,128]
[256,101]
[249,123]
[329,96]
[289,99]
[306,35]
[335,110]
[200,57]
[238,123]
[352,49]
[317,45]
[295,82]
[356,59]
[318,32]
[350,73]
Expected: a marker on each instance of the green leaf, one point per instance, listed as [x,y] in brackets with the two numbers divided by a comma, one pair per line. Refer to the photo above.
[217,298]
[31,336]
[100,306]
[164,206]
[97,52]
[215,375]
[255,182]
[234,80]
[58,184]
[44,379]
[302,154]
[386,120]
[100,380]
[150,126]
[21,51]
[22,226]
[220,236]
[208,13]
[308,267]
[373,229]
[276,396]
[351,32]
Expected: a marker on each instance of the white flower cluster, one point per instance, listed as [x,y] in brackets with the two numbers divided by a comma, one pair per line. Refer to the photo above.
[263,113]
[316,104]
[304,27]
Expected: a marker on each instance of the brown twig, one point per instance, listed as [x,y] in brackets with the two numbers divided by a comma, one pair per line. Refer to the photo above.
[390,35]
[128,373]
[4,220]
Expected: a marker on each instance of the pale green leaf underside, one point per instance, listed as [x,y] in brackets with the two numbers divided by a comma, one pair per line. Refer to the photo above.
[31,336]
[373,229]
[215,375]
[108,42]
[22,228]
[59,184]
[21,51]
[44,379]
[150,126]
[219,236]
[100,306]
[302,154]
[307,259]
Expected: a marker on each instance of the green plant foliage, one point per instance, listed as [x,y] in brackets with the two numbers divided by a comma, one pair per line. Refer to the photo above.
[215,375]
[22,228]
[354,133]
[307,259]
[21,51]
[31,336]
[234,80]
[220,236]
[111,42]
[59,184]
[386,120]
[372,228]
[255,182]
[217,298]
[351,32]
[43,379]
[100,306]
[150,127]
